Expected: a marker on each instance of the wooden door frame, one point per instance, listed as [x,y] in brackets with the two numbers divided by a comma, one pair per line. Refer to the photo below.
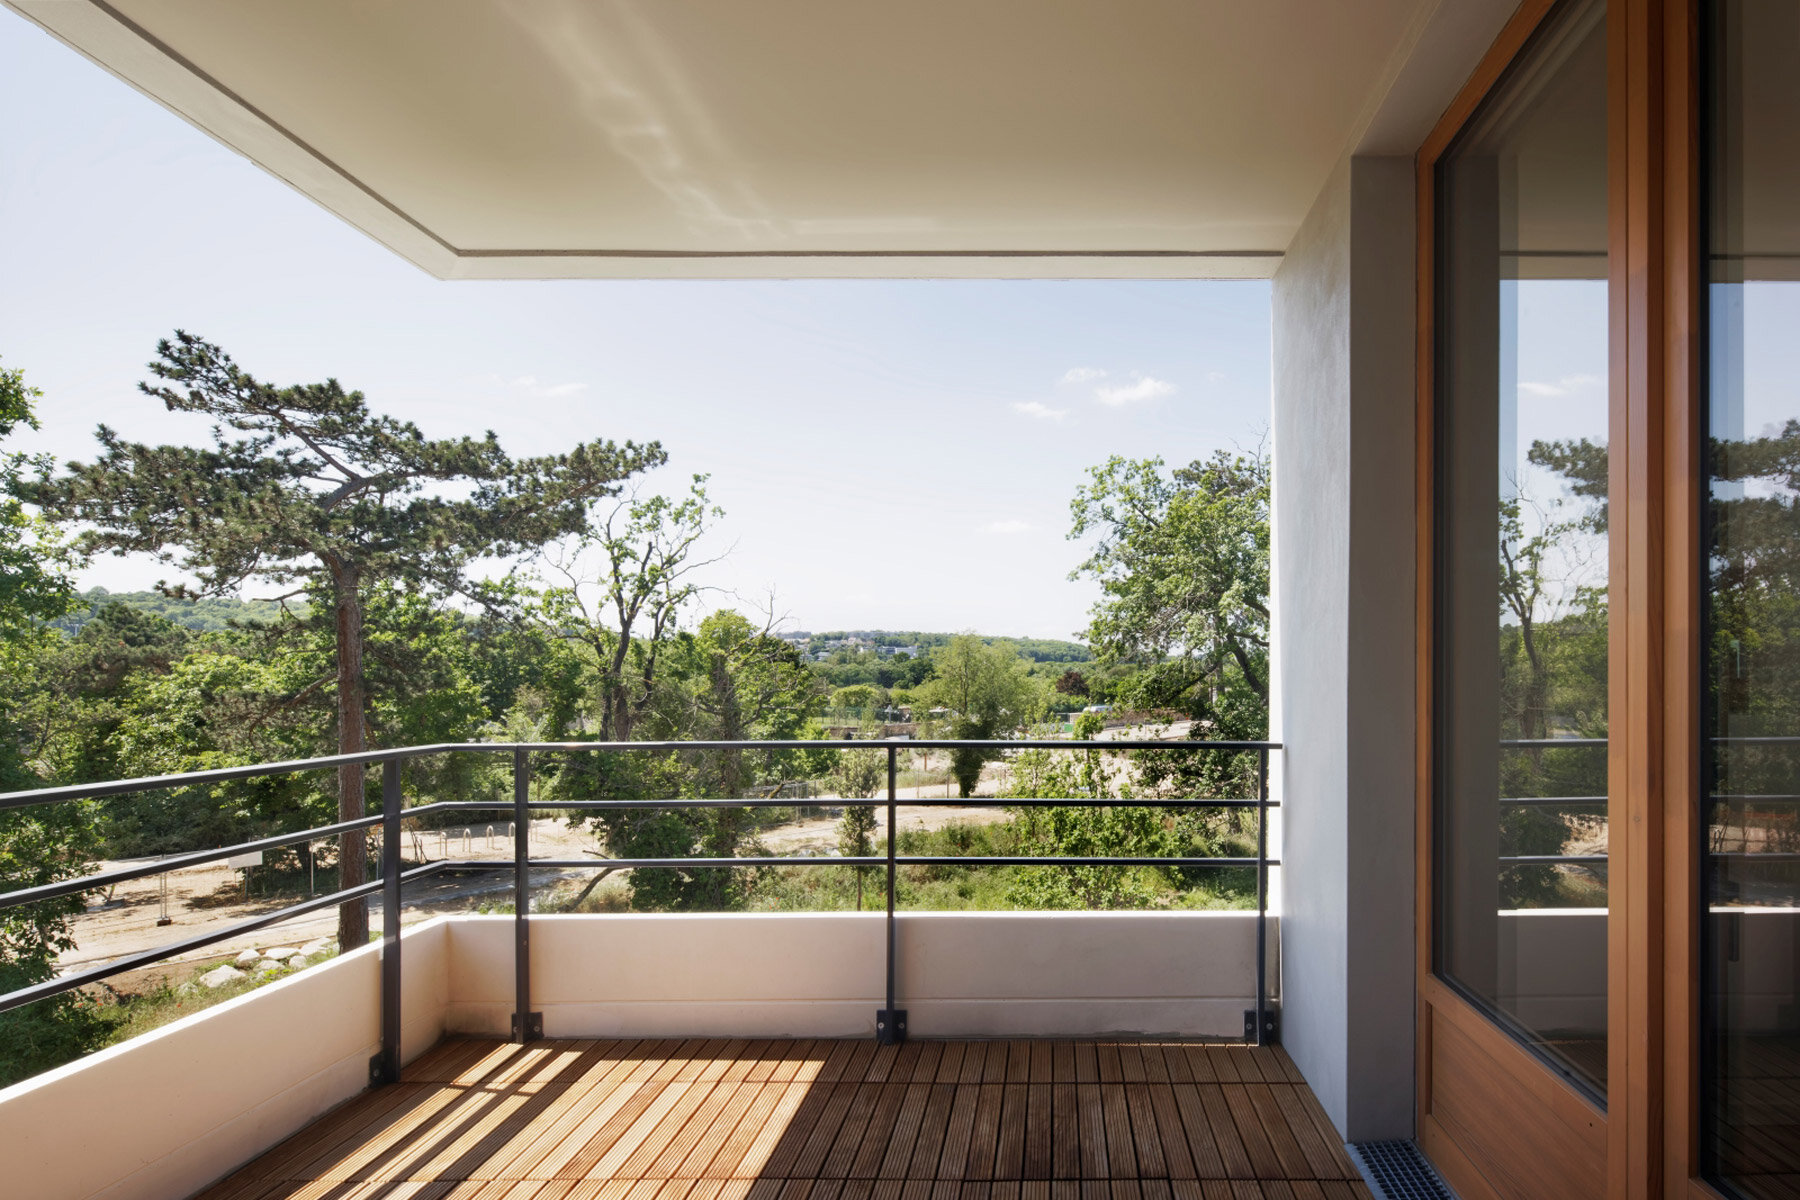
[1649,1132]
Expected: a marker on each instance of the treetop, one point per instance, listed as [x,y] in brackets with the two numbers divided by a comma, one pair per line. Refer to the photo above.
[303,475]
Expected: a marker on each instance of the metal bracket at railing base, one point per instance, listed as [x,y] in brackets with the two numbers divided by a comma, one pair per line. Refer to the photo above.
[890,1026]
[1271,1030]
[379,1073]
[534,1027]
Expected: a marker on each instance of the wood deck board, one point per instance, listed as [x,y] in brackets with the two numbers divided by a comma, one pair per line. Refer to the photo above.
[744,1119]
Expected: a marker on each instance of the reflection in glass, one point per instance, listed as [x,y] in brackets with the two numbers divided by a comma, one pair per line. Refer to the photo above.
[1751,937]
[1522,558]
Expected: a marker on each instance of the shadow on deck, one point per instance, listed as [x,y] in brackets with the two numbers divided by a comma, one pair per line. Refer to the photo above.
[819,1120]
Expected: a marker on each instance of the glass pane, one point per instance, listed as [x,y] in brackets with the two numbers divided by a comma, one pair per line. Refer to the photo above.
[1521,508]
[1752,854]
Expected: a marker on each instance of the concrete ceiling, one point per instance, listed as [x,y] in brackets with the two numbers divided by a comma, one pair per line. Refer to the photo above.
[645,138]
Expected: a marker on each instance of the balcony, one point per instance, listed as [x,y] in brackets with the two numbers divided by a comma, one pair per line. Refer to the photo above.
[742,1054]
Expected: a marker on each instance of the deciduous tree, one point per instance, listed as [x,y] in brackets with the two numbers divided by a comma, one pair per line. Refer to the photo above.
[621,590]
[988,692]
[1183,562]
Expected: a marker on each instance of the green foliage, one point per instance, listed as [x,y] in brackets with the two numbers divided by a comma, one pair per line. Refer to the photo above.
[40,844]
[1122,830]
[726,681]
[1183,563]
[988,693]
[33,585]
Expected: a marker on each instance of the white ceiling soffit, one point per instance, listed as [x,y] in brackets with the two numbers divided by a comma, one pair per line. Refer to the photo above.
[779,138]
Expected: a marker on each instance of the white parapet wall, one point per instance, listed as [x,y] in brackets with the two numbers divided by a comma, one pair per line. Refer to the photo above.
[162,1116]
[823,974]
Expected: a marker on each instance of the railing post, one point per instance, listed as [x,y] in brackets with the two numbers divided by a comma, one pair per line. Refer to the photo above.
[526,1024]
[1262,896]
[890,1022]
[387,1064]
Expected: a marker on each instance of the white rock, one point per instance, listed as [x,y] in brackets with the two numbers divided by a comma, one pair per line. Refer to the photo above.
[219,976]
[316,945]
[279,952]
[248,957]
[296,962]
[269,966]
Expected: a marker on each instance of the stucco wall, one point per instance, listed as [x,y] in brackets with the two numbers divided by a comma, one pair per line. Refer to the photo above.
[1344,629]
[822,974]
[166,1113]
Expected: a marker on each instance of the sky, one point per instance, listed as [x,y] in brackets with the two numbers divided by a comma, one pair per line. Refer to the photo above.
[889,454]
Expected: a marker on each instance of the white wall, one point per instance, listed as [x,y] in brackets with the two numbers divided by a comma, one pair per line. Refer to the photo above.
[1343,629]
[822,974]
[167,1113]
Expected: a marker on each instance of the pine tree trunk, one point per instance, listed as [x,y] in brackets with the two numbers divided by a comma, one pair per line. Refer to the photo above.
[353,858]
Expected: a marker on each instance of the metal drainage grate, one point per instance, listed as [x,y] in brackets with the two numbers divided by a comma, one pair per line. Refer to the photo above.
[1397,1171]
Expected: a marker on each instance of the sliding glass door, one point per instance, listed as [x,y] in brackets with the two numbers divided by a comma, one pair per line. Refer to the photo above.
[1520,881]
[1750,1045]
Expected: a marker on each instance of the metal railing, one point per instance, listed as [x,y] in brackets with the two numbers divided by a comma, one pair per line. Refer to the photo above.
[1772,799]
[526,1025]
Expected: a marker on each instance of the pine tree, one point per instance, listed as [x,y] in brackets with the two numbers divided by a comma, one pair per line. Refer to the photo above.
[303,485]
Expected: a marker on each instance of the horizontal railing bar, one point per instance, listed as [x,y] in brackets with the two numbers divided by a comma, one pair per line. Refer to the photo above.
[1009,860]
[905,860]
[1720,798]
[168,950]
[176,862]
[1772,856]
[1545,860]
[153,783]
[87,883]
[118,787]
[827,801]
[1536,743]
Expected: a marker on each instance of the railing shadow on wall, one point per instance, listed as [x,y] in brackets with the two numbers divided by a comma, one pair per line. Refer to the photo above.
[890,1020]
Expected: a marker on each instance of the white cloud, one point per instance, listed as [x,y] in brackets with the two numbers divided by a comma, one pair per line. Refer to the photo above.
[1040,410]
[532,386]
[1143,387]
[1215,377]
[1005,527]
[1562,387]
[1083,374]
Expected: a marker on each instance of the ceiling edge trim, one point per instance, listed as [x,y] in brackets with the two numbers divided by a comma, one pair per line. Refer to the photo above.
[119,45]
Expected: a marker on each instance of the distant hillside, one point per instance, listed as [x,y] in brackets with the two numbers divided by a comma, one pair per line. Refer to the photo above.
[207,616]
[1036,649]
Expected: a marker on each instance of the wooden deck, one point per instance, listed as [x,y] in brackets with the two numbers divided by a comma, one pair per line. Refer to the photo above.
[819,1120]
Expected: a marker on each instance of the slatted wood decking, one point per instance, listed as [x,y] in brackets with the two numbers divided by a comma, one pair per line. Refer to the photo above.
[819,1120]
